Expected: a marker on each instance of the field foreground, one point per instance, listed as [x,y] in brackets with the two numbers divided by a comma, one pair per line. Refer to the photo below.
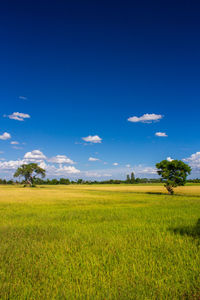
[99,242]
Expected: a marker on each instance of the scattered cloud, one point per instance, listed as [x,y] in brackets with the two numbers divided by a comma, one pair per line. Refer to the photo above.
[146,118]
[10,165]
[38,157]
[161,134]
[17,148]
[93,159]
[142,170]
[61,159]
[18,116]
[97,174]
[128,166]
[193,160]
[23,98]
[34,156]
[92,139]
[115,164]
[14,143]
[5,136]
[169,159]
[63,170]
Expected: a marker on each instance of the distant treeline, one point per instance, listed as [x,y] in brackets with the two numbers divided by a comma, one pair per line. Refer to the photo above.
[67,181]
[129,180]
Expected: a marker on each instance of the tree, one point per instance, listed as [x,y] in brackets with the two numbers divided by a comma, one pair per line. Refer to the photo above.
[132,178]
[173,173]
[29,172]
[64,181]
[128,179]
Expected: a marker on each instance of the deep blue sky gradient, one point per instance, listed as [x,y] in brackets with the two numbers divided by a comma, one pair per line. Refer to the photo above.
[86,66]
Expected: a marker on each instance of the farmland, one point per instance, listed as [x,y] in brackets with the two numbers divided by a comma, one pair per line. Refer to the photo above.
[99,242]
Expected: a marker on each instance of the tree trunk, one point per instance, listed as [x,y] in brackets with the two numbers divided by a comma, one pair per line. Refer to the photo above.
[170,189]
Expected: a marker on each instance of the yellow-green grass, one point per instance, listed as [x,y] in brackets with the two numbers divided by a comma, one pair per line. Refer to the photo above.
[99,242]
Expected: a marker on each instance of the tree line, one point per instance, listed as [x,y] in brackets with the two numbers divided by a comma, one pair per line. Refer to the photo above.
[66,181]
[173,173]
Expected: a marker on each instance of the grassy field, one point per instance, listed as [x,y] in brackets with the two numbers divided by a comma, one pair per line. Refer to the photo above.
[99,242]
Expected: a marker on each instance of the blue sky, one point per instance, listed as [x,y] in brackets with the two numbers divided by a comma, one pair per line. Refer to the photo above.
[82,69]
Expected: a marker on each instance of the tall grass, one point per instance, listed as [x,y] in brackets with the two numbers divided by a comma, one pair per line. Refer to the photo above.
[99,242]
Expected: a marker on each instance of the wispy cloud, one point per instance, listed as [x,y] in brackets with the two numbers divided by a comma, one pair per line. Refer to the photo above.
[61,159]
[5,136]
[23,98]
[146,118]
[18,116]
[93,159]
[115,164]
[92,139]
[14,143]
[161,134]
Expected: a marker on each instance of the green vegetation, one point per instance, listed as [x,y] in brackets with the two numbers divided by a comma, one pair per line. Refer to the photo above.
[99,242]
[173,173]
[30,172]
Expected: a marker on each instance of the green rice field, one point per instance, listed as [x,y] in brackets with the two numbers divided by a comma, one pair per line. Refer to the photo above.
[99,242]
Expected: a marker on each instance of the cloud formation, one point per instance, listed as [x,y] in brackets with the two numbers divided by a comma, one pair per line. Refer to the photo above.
[5,136]
[93,159]
[14,143]
[115,164]
[194,160]
[61,159]
[18,116]
[34,156]
[146,118]
[92,139]
[161,134]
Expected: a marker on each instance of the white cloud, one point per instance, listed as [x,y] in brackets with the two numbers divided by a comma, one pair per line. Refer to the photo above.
[18,116]
[146,118]
[169,159]
[23,98]
[93,159]
[10,165]
[38,157]
[67,170]
[161,134]
[128,166]
[143,170]
[193,160]
[5,136]
[61,159]
[92,139]
[34,156]
[97,174]
[115,164]
[14,143]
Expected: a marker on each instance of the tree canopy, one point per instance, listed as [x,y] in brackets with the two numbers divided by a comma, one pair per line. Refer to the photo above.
[30,172]
[173,173]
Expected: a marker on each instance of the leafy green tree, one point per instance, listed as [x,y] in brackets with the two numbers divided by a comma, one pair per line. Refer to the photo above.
[54,181]
[64,181]
[173,173]
[29,172]
[128,180]
[132,178]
